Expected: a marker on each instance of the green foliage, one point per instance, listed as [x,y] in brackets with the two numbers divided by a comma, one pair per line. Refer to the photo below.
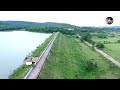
[51,30]
[10,27]
[101,36]
[68,59]
[100,45]
[118,41]
[92,42]
[87,37]
[106,42]
[20,72]
[92,47]
[112,47]
[77,36]
[90,66]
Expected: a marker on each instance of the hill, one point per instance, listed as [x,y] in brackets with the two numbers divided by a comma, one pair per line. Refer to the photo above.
[50,24]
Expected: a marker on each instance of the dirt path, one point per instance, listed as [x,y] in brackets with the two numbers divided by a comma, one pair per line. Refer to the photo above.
[105,55]
[108,57]
[34,72]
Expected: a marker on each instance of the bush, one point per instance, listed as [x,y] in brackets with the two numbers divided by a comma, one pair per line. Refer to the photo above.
[92,47]
[93,43]
[101,36]
[118,41]
[90,66]
[100,45]
[77,36]
[86,37]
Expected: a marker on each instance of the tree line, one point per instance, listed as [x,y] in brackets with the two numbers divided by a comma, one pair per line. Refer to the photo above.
[50,30]
[88,37]
[10,27]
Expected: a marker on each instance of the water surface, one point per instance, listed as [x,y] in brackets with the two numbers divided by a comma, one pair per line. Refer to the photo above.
[14,46]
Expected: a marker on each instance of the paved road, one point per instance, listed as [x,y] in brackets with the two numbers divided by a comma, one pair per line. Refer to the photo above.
[34,72]
[105,55]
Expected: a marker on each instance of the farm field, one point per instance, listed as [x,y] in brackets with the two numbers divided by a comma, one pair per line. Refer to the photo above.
[112,47]
[70,58]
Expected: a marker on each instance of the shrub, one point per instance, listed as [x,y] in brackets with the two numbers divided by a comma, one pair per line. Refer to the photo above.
[118,41]
[90,66]
[77,36]
[93,43]
[100,45]
[101,36]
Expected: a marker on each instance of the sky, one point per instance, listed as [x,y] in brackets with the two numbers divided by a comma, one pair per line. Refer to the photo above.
[79,18]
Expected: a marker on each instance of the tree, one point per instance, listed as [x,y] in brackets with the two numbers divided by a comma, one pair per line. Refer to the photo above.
[100,45]
[101,36]
[77,36]
[90,66]
[86,37]
[118,41]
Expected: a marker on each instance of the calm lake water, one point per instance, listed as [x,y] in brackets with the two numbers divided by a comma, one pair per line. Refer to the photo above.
[14,46]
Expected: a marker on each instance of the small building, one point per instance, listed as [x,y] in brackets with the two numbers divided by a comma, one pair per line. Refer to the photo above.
[30,60]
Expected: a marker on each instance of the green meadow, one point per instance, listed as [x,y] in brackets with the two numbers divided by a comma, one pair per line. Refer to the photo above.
[69,57]
[112,47]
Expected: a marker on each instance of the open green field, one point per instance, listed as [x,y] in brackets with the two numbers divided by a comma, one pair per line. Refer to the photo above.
[68,59]
[108,39]
[112,48]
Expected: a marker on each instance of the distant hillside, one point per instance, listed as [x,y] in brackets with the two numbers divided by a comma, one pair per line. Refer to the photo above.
[116,27]
[19,23]
[2,23]
[50,24]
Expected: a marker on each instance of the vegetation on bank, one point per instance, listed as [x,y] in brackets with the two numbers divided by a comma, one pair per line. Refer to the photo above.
[51,30]
[20,72]
[40,48]
[71,59]
[10,27]
[40,29]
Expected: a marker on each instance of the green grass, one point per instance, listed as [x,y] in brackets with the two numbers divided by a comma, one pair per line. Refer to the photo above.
[109,39]
[20,72]
[23,69]
[112,48]
[67,60]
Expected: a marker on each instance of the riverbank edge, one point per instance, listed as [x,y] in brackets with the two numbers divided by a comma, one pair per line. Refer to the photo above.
[22,71]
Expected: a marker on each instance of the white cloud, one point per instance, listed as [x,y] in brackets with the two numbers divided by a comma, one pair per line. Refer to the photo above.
[81,18]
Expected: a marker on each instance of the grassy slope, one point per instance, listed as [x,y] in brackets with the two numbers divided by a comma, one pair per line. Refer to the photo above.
[20,72]
[112,48]
[68,58]
[23,69]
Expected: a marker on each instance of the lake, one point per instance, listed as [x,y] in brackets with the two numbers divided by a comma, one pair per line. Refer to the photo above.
[15,46]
